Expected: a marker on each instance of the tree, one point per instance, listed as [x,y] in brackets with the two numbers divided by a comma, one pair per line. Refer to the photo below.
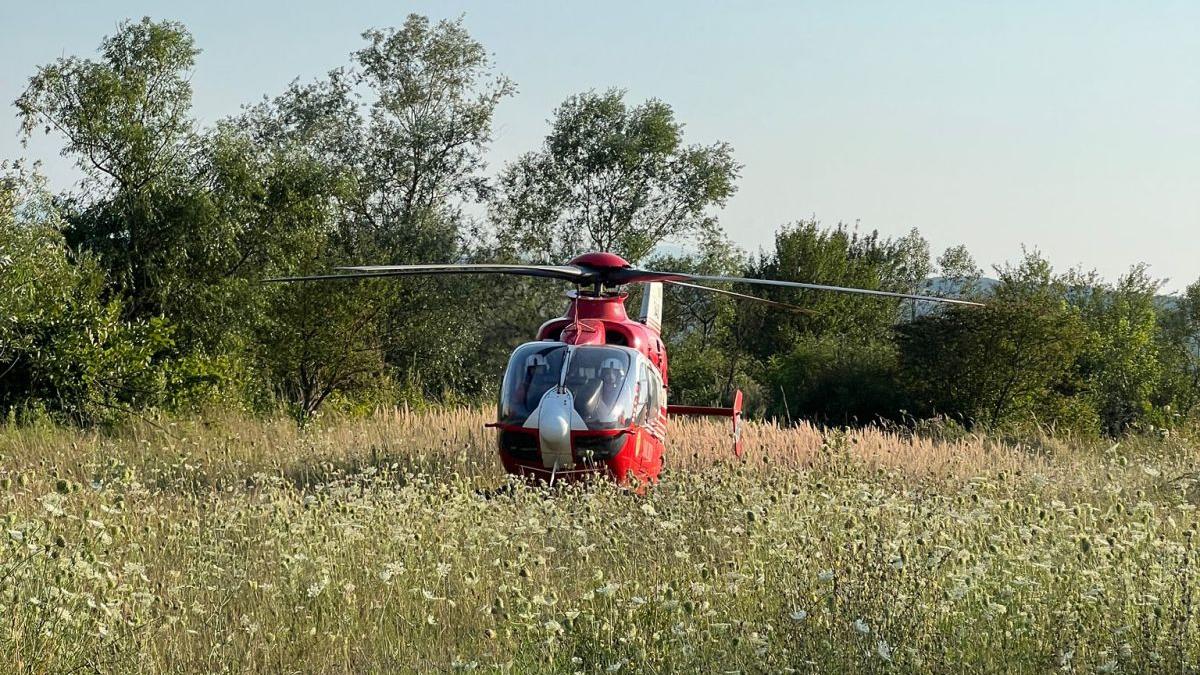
[1120,364]
[1179,354]
[807,252]
[64,349]
[835,363]
[699,326]
[124,117]
[125,121]
[1010,362]
[994,365]
[959,272]
[399,137]
[431,120]
[690,314]
[610,177]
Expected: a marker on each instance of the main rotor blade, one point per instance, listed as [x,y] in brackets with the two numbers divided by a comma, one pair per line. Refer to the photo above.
[840,289]
[743,296]
[608,276]
[630,276]
[321,277]
[564,272]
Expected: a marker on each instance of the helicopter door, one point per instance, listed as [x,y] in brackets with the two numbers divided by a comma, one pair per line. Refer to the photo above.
[649,398]
[643,394]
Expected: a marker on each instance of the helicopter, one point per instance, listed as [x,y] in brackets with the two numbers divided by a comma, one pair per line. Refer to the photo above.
[588,396]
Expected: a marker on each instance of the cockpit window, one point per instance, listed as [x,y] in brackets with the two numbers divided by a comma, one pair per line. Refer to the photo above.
[598,377]
[533,369]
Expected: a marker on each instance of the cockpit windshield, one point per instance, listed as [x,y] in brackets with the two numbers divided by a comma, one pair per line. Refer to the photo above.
[598,377]
[533,369]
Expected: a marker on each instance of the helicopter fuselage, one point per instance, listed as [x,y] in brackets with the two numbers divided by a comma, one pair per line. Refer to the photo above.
[572,431]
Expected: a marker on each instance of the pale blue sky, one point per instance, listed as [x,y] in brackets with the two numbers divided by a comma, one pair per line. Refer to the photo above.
[1070,126]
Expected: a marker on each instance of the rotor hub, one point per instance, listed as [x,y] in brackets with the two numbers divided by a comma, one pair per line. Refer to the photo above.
[600,261]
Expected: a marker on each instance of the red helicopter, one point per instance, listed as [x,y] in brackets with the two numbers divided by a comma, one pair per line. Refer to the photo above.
[589,396]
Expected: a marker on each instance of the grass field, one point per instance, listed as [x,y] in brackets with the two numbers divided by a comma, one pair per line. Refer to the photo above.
[383,544]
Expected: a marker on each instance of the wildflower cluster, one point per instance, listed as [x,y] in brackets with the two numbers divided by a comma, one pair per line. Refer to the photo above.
[248,547]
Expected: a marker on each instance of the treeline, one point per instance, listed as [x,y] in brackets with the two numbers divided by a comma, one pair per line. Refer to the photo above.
[1049,352]
[141,287]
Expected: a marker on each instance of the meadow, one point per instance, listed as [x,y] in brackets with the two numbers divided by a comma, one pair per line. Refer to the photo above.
[392,543]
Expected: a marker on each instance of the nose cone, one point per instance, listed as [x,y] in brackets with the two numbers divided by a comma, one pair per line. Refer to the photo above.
[554,429]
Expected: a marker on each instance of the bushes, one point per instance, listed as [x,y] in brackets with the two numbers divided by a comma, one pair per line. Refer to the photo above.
[64,348]
[142,290]
[1050,352]
[837,382]
[995,365]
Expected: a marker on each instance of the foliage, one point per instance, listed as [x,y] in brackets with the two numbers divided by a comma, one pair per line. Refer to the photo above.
[430,122]
[998,364]
[1066,350]
[1179,353]
[1121,365]
[388,179]
[149,293]
[835,361]
[64,349]
[835,381]
[125,120]
[184,223]
[838,256]
[958,269]
[611,177]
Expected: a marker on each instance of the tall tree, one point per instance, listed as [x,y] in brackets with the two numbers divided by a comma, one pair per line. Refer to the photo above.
[435,93]
[404,129]
[611,177]
[125,121]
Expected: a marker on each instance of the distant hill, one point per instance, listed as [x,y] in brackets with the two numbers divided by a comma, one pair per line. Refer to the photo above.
[952,288]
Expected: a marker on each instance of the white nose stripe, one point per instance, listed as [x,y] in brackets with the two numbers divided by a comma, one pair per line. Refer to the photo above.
[554,429]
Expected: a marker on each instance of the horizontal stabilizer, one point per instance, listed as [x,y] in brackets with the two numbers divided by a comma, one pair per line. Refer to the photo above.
[735,412]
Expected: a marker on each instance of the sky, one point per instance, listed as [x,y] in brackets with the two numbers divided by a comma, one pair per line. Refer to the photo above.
[1072,127]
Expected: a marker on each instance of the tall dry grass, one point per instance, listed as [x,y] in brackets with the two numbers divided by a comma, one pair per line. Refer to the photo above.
[227,544]
[216,449]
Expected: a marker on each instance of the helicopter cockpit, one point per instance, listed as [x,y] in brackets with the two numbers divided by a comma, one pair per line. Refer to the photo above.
[598,377]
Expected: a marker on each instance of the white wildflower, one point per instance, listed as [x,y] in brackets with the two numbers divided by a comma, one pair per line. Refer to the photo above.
[317,587]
